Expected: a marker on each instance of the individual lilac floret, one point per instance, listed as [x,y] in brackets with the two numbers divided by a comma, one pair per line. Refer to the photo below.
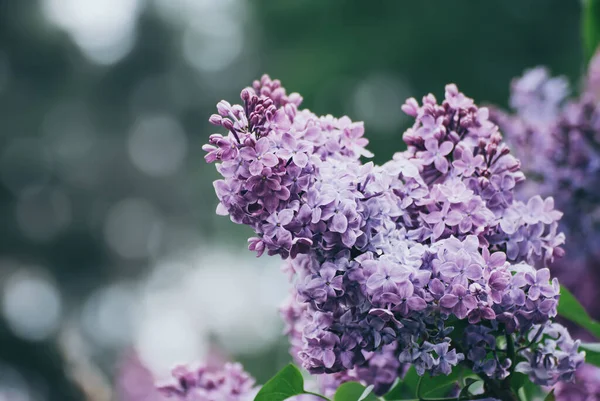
[202,383]
[392,256]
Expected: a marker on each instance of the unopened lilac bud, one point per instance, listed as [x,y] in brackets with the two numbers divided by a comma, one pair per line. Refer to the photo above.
[451,90]
[237,111]
[215,138]
[249,141]
[228,124]
[558,253]
[257,245]
[454,137]
[411,107]
[278,93]
[496,138]
[515,166]
[429,100]
[290,110]
[216,119]
[224,107]
[245,94]
[295,98]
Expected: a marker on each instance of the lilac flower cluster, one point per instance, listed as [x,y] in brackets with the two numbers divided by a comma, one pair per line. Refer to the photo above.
[389,257]
[203,383]
[558,141]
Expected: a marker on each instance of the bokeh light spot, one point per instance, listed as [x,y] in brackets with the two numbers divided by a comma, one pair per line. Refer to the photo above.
[157,145]
[31,305]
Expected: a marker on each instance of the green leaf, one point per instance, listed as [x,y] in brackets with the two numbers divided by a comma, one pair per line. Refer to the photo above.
[352,391]
[517,381]
[570,308]
[530,391]
[287,383]
[431,387]
[441,385]
[592,353]
[590,24]
[550,396]
[405,388]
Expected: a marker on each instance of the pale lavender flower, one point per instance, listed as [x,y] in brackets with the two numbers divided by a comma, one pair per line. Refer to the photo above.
[436,153]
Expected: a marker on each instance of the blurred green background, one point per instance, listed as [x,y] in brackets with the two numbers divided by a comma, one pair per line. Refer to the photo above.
[110,246]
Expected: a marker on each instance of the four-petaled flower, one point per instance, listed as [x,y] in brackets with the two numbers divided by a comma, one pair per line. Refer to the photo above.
[436,153]
[259,155]
[459,301]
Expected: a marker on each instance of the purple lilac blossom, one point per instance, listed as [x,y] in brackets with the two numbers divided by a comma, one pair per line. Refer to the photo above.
[557,139]
[386,259]
[203,383]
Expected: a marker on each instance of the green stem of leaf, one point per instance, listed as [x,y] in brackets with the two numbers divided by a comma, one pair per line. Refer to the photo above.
[419,388]
[510,352]
[317,395]
[472,397]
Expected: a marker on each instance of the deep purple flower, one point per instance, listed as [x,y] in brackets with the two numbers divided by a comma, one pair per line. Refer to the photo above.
[276,222]
[446,359]
[327,280]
